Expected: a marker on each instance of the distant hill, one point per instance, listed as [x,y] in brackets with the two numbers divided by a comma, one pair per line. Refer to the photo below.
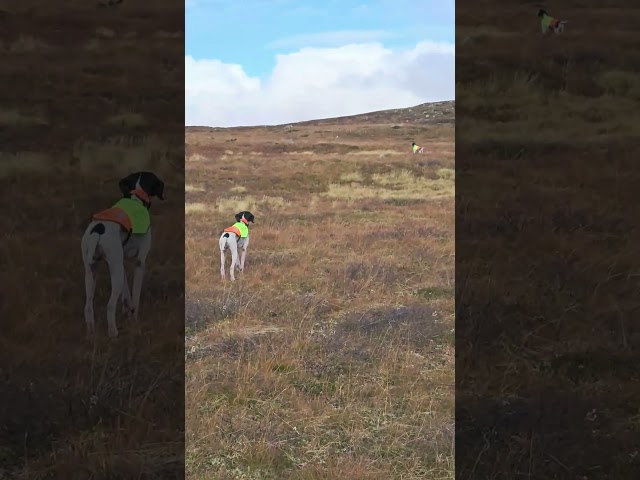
[425,113]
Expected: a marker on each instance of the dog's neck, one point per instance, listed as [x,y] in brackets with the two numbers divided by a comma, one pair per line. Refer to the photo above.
[137,199]
[141,196]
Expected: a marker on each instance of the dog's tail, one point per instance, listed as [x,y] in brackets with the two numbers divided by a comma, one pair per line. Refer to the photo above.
[94,238]
[222,242]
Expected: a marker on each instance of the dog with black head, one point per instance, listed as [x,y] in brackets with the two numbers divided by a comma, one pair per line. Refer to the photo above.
[115,234]
[550,24]
[147,181]
[234,237]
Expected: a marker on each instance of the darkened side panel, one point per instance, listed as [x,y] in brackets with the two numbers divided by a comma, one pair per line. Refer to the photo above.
[546,258]
[91,93]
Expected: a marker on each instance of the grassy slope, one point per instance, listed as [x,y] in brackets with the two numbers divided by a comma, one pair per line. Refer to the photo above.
[332,355]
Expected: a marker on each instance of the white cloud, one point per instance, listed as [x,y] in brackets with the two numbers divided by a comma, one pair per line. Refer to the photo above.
[317,83]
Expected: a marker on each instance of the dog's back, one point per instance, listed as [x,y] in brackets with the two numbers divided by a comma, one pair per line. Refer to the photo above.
[224,238]
[99,232]
[93,234]
[227,237]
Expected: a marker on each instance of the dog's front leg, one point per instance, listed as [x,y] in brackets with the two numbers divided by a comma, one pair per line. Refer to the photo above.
[234,258]
[115,259]
[245,246]
[242,257]
[127,306]
[90,288]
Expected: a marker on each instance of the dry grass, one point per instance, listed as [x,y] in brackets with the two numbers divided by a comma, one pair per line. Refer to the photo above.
[26,44]
[129,120]
[23,162]
[333,354]
[105,32]
[196,207]
[352,177]
[255,205]
[16,118]
[119,154]
[188,188]
[196,158]
[547,176]
[395,185]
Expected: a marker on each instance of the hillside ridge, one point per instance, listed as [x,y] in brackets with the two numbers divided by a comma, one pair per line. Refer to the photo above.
[424,113]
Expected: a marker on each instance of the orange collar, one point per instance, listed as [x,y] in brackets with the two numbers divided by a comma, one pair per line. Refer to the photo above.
[244,220]
[141,194]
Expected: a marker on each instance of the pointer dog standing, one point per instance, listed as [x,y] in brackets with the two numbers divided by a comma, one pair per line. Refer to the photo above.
[233,237]
[122,231]
[550,24]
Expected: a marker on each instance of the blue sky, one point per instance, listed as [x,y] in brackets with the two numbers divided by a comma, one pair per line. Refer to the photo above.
[251,62]
[251,32]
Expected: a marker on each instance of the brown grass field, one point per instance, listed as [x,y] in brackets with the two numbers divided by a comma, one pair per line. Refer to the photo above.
[83,104]
[332,355]
[547,335]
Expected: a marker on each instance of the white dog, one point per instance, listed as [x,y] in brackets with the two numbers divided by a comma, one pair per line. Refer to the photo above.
[123,231]
[234,237]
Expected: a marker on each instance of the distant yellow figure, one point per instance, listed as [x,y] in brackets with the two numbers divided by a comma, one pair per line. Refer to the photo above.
[417,148]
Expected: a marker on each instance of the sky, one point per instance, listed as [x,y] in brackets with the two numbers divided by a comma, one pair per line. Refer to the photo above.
[270,62]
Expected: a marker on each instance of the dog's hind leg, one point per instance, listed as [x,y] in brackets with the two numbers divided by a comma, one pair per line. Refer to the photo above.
[90,288]
[88,246]
[115,259]
[222,243]
[222,261]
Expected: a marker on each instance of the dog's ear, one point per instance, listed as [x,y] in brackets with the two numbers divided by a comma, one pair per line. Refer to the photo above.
[158,189]
[238,216]
[122,185]
[127,184]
